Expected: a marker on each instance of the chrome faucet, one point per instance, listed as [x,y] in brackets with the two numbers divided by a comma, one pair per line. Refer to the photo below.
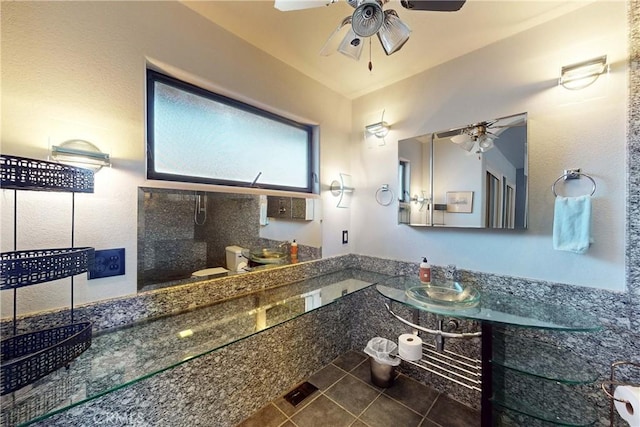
[451,272]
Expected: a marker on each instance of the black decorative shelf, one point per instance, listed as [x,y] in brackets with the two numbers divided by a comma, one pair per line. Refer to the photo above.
[24,268]
[20,173]
[29,357]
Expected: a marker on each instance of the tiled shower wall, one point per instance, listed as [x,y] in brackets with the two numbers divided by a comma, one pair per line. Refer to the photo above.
[175,241]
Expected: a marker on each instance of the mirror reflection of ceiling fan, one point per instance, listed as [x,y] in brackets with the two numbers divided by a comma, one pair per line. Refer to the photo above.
[369,19]
[481,135]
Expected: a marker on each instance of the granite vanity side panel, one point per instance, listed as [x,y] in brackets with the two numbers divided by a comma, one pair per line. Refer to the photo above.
[226,386]
[633,166]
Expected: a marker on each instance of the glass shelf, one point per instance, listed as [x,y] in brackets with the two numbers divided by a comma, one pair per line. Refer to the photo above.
[548,401]
[551,362]
[119,357]
[495,308]
[504,417]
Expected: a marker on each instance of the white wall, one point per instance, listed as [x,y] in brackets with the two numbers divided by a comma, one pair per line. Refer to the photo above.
[585,129]
[456,170]
[77,70]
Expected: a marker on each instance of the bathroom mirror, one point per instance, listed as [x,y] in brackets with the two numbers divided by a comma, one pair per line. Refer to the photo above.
[185,236]
[473,176]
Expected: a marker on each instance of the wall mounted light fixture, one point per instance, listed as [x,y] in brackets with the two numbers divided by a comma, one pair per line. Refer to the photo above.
[341,188]
[583,74]
[421,200]
[81,153]
[379,129]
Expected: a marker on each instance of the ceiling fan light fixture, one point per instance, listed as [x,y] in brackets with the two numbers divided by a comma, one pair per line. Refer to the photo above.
[461,138]
[468,145]
[331,44]
[367,18]
[485,143]
[394,33]
[351,45]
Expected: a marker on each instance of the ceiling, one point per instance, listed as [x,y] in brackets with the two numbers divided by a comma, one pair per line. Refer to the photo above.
[296,37]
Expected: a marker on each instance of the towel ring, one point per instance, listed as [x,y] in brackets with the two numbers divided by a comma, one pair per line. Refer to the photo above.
[384,189]
[574,175]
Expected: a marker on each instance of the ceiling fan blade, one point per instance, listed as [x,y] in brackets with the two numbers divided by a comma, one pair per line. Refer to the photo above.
[289,5]
[515,125]
[449,133]
[433,5]
[507,124]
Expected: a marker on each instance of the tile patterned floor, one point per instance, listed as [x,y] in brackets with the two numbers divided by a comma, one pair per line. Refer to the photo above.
[347,398]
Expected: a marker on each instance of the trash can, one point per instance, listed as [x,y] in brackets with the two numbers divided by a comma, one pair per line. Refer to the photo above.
[383,364]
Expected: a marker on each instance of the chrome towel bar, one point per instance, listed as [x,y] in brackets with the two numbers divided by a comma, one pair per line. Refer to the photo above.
[573,174]
[436,332]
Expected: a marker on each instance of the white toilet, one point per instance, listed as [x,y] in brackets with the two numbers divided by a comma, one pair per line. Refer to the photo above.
[235,260]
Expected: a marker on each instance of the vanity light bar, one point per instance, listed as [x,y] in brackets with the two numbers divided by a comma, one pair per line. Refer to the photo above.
[81,155]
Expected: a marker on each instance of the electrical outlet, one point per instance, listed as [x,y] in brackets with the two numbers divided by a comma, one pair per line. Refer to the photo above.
[108,262]
[345,237]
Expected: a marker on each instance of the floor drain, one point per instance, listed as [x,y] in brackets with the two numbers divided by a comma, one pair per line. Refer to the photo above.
[300,393]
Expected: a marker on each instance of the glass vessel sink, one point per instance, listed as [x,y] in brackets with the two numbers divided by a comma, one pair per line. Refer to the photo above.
[449,295]
[266,255]
[494,307]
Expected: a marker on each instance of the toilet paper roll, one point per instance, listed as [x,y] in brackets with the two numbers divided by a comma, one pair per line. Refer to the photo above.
[410,347]
[630,412]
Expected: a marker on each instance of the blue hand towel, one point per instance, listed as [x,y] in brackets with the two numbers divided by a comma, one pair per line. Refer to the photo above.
[572,224]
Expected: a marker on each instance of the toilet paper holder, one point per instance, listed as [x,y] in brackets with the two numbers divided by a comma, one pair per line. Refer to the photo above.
[612,382]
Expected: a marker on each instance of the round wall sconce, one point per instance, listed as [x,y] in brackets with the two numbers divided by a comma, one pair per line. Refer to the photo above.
[341,188]
[80,153]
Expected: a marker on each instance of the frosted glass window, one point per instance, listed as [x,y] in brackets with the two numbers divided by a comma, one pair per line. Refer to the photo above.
[195,135]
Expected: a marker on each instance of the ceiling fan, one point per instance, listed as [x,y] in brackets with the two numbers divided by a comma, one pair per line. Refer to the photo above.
[480,135]
[370,19]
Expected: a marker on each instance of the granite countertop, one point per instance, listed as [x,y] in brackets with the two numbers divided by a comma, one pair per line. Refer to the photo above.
[121,356]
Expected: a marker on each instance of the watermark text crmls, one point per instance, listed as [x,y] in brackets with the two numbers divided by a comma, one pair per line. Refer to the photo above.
[108,418]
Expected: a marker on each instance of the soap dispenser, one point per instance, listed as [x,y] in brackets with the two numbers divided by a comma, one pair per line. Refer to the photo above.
[294,249]
[425,271]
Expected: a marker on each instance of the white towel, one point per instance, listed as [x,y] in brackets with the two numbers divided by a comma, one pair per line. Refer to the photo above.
[572,224]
